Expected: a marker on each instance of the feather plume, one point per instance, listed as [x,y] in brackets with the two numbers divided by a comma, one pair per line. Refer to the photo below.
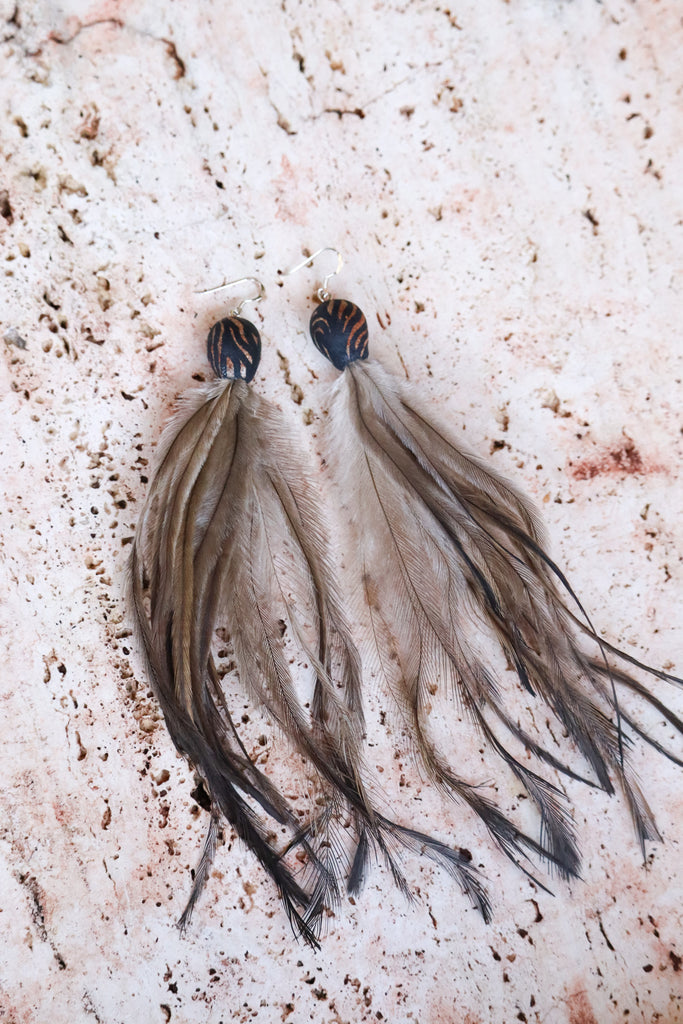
[459,587]
[231,535]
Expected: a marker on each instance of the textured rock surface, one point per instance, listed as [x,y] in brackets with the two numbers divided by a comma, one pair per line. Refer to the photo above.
[504,179]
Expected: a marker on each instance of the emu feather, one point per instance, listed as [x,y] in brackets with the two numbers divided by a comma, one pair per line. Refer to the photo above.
[464,552]
[232,535]
[453,570]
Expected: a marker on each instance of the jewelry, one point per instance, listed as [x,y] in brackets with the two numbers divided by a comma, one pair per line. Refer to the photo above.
[458,585]
[231,534]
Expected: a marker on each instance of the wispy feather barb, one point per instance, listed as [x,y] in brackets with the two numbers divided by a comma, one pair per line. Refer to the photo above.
[454,569]
[231,535]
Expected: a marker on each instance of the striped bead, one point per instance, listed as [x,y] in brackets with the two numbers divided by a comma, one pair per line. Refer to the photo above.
[340,331]
[234,348]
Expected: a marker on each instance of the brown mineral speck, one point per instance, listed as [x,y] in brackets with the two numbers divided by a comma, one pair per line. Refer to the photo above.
[5,206]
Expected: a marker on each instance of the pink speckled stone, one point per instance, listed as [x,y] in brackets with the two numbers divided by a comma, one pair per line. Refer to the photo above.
[504,181]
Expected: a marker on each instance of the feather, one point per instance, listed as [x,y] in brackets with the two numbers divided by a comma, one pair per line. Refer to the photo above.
[459,586]
[232,535]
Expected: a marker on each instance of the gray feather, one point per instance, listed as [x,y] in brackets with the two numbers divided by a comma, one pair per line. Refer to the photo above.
[232,535]
[454,570]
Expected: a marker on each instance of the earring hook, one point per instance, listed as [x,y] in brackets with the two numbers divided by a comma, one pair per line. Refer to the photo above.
[322,292]
[261,294]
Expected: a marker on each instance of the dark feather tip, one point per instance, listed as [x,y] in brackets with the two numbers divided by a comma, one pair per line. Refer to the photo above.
[340,331]
[234,348]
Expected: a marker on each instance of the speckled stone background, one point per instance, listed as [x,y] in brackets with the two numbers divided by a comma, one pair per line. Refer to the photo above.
[504,179]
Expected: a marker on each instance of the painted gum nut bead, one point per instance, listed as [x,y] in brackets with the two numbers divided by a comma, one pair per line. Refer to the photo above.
[340,331]
[234,348]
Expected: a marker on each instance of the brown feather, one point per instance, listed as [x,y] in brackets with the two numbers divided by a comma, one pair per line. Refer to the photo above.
[231,534]
[454,569]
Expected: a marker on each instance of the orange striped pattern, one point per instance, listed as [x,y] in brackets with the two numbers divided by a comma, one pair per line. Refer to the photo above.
[340,331]
[234,348]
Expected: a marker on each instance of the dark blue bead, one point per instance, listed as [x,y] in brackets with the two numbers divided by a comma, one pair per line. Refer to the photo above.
[340,331]
[234,348]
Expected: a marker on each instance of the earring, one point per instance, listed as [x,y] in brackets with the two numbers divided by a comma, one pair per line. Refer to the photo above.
[231,535]
[186,550]
[458,586]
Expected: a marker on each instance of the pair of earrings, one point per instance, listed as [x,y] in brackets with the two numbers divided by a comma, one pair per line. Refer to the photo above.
[462,602]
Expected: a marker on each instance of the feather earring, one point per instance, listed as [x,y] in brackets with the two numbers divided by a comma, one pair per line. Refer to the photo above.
[231,535]
[459,587]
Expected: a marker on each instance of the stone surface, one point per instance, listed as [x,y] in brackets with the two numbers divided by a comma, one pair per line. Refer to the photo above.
[504,181]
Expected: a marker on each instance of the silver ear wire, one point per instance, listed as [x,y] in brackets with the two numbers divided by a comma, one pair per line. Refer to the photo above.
[261,294]
[322,292]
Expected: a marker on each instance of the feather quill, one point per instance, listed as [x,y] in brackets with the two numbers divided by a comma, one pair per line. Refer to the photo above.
[457,580]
